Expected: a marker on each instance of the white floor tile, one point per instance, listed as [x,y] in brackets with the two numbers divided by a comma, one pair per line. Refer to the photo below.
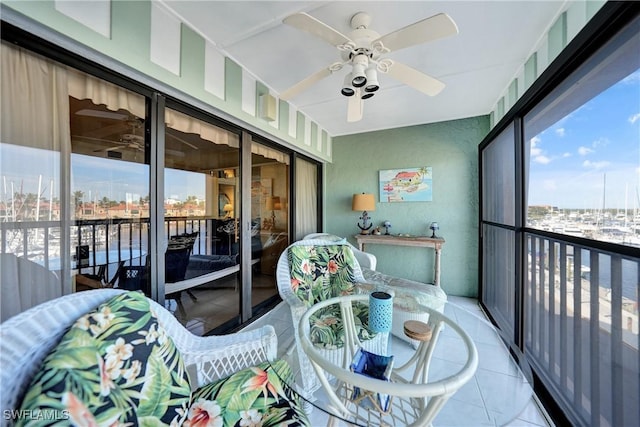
[475,404]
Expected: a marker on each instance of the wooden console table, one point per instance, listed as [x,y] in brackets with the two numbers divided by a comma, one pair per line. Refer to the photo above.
[420,241]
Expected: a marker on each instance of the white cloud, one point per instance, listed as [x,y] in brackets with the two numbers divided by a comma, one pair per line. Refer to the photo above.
[583,151]
[542,160]
[600,142]
[634,118]
[535,151]
[595,165]
[566,155]
[560,132]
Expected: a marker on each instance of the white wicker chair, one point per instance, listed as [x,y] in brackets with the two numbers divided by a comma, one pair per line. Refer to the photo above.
[365,259]
[26,339]
[310,382]
[430,295]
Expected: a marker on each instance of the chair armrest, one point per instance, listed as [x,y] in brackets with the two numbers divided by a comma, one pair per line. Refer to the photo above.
[365,259]
[430,295]
[214,357]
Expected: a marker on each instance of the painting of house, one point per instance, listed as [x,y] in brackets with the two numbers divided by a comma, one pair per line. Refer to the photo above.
[406,185]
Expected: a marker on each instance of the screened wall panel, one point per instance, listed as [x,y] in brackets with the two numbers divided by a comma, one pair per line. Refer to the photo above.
[498,248]
[498,185]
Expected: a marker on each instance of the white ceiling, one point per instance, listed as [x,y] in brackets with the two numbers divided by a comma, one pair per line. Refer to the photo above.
[495,39]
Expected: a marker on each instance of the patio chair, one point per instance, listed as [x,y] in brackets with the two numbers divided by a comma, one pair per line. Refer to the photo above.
[24,284]
[431,295]
[176,370]
[311,271]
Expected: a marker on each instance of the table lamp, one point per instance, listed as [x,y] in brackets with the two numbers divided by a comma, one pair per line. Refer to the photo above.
[273,204]
[364,202]
[434,227]
[228,208]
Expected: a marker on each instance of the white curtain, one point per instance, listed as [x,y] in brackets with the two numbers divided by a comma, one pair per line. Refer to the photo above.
[35,135]
[85,86]
[183,123]
[186,124]
[270,153]
[306,198]
[35,106]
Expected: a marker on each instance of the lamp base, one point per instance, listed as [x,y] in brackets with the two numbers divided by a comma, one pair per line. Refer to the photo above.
[364,230]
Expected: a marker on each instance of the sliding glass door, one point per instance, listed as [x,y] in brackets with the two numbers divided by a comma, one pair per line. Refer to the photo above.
[270,198]
[202,203]
[109,182]
[107,185]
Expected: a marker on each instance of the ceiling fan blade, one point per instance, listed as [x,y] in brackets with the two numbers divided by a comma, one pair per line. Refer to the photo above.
[415,79]
[177,138]
[102,150]
[305,84]
[311,25]
[355,107]
[429,29]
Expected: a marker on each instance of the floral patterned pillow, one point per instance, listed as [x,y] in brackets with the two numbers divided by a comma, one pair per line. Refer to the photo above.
[320,272]
[114,366]
[327,330]
[257,396]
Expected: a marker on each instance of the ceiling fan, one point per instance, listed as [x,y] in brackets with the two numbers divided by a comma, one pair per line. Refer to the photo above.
[364,50]
[130,140]
[127,134]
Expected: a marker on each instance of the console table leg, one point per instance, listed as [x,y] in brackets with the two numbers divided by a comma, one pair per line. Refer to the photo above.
[436,268]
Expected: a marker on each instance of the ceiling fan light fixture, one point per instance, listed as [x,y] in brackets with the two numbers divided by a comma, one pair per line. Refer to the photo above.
[347,90]
[358,76]
[372,84]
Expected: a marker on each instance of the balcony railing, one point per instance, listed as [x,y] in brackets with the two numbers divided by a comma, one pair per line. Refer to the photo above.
[581,329]
[40,241]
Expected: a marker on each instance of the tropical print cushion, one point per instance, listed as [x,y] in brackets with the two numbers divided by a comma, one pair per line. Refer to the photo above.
[257,396]
[114,366]
[320,272]
[327,330]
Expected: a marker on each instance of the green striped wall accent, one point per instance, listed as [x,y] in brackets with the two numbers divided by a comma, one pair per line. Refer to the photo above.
[130,43]
[568,24]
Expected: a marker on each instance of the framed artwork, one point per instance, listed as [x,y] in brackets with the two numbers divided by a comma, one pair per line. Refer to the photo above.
[406,185]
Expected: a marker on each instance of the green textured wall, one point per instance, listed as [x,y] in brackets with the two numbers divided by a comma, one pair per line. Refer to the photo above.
[451,149]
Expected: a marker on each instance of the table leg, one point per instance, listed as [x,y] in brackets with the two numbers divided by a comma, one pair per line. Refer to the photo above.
[436,268]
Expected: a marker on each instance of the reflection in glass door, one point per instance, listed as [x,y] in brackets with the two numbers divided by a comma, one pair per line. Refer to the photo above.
[270,218]
[109,185]
[201,215]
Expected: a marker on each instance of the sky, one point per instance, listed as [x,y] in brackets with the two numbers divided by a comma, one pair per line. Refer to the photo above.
[597,143]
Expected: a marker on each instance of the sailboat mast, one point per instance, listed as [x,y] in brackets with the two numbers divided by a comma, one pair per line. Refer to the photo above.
[604,196]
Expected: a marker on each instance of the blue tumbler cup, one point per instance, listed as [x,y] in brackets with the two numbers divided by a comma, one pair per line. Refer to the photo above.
[380,311]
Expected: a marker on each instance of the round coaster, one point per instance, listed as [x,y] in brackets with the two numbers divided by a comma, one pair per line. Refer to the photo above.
[417,330]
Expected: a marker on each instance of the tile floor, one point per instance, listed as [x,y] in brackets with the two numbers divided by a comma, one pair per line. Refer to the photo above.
[464,408]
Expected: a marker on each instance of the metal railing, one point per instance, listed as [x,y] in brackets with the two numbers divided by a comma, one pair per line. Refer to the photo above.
[40,241]
[581,328]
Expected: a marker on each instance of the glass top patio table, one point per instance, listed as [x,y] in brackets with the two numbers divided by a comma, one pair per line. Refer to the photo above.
[496,393]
